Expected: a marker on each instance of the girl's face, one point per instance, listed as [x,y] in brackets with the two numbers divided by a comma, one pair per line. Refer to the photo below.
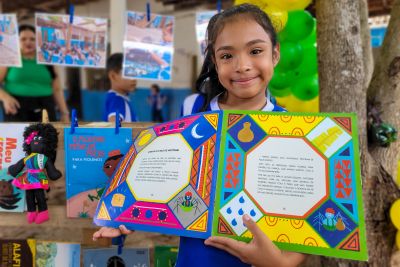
[245,60]
[27,42]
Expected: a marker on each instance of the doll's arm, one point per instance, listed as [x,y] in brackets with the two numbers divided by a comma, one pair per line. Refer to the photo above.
[16,168]
[52,172]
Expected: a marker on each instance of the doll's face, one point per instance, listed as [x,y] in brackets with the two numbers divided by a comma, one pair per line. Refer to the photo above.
[37,144]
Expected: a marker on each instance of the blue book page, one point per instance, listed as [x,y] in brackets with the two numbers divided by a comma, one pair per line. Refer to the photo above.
[91,156]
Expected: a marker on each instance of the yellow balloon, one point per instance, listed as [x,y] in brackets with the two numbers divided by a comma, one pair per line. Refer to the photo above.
[398,239]
[398,173]
[293,104]
[253,2]
[289,5]
[395,213]
[278,16]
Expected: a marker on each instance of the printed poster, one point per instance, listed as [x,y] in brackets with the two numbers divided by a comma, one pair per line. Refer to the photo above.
[202,19]
[297,175]
[82,43]
[10,53]
[148,46]
[91,156]
[12,199]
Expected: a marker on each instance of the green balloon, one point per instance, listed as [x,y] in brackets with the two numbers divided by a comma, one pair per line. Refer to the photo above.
[281,92]
[299,25]
[306,88]
[282,80]
[291,56]
[310,39]
[309,64]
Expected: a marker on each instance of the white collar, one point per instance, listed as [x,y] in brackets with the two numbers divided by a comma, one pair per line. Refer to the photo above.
[215,106]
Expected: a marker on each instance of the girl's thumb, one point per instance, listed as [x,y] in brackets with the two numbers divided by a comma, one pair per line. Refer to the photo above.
[252,226]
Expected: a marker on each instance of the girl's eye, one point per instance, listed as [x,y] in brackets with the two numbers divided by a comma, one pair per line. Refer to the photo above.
[35,138]
[226,56]
[256,51]
[40,138]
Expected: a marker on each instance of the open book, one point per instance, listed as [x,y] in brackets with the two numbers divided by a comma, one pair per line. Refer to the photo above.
[296,175]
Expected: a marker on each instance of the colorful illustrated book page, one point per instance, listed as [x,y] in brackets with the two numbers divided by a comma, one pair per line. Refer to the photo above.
[12,199]
[91,156]
[55,254]
[297,175]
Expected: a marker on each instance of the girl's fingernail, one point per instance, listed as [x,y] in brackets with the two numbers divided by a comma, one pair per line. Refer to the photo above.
[246,217]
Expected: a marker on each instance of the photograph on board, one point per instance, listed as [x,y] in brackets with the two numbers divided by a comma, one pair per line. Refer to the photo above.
[80,44]
[10,54]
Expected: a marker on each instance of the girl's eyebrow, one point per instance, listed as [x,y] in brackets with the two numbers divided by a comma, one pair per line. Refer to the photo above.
[252,42]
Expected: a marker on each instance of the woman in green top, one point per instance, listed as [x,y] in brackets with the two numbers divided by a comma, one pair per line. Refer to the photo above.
[28,90]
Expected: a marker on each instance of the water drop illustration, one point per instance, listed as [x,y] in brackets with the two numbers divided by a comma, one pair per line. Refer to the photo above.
[240,212]
[234,222]
[252,213]
[241,200]
[229,210]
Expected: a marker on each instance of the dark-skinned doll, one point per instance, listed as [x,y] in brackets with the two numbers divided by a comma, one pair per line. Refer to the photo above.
[33,171]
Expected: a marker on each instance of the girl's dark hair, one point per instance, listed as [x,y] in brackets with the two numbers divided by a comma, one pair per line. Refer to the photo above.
[26,27]
[208,83]
[50,135]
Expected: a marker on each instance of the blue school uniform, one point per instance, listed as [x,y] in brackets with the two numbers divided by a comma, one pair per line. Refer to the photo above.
[192,251]
[122,103]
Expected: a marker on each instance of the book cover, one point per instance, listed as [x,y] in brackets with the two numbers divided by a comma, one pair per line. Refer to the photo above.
[57,254]
[165,256]
[134,257]
[17,252]
[91,156]
[12,199]
[297,175]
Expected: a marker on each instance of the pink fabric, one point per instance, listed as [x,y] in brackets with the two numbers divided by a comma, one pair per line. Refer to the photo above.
[42,217]
[29,139]
[22,186]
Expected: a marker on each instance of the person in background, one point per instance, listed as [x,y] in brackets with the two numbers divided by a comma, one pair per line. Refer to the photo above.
[156,100]
[33,87]
[117,98]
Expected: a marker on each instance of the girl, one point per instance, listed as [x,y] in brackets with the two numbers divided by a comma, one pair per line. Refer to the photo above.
[242,52]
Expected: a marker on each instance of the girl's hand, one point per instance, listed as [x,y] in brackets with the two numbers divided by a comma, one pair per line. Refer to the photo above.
[260,252]
[108,232]
[11,105]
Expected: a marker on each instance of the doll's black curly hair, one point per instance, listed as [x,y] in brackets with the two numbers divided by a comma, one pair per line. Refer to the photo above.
[50,136]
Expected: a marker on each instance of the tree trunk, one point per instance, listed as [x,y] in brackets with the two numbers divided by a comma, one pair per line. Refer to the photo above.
[342,79]
[385,89]
[368,58]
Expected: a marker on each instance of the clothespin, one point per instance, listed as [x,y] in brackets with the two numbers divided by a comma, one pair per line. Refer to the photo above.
[74,121]
[148,11]
[219,6]
[117,122]
[119,241]
[45,116]
[71,13]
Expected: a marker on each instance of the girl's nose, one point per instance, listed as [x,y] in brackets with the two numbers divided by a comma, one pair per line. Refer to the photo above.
[243,64]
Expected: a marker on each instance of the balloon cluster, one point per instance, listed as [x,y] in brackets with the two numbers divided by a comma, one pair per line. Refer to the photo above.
[395,217]
[295,81]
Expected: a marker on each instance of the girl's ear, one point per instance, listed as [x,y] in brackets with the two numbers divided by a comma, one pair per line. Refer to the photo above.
[276,54]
